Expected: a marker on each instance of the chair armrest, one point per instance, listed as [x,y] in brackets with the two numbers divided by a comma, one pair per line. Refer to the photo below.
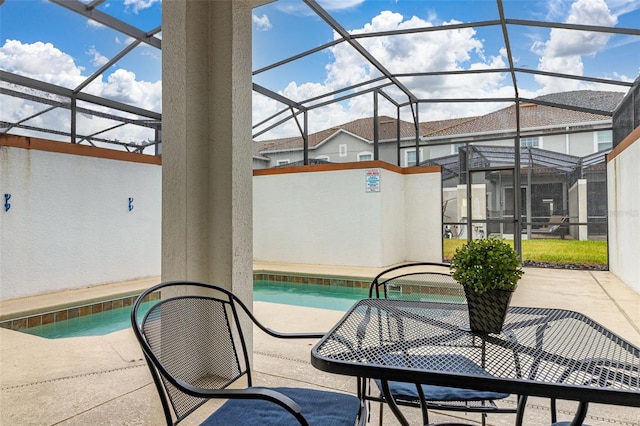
[274,333]
[249,393]
[281,335]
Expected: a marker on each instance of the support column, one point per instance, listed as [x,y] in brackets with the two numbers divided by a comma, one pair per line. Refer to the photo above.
[206,164]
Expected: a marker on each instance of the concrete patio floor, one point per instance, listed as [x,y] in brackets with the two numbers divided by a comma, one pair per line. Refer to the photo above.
[103,380]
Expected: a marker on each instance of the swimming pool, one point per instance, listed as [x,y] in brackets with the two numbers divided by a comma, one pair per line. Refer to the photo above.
[332,297]
[337,298]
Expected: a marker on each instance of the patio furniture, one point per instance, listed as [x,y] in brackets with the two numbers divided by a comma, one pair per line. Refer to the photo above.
[195,348]
[550,353]
[557,226]
[430,281]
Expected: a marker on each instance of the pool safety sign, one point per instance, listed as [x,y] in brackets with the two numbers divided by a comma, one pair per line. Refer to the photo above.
[373,180]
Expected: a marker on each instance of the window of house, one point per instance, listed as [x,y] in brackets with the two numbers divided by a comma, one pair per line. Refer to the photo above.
[604,140]
[342,150]
[323,157]
[410,157]
[455,148]
[282,162]
[365,156]
[530,142]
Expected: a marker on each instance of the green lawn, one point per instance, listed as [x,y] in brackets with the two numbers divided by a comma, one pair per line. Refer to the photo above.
[552,251]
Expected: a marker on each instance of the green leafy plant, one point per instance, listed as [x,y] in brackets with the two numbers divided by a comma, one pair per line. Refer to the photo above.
[488,264]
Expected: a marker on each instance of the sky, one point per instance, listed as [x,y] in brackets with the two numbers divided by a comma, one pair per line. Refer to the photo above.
[47,42]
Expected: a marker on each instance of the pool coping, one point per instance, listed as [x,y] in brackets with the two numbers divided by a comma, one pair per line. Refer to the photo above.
[34,311]
[65,299]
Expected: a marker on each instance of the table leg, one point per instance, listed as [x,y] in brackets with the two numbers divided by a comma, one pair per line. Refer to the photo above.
[522,403]
[392,403]
[578,418]
[581,413]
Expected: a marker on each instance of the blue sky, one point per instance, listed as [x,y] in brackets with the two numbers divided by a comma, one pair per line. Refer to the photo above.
[45,41]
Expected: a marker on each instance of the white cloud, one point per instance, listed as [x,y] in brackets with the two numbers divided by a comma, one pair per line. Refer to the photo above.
[122,86]
[299,8]
[97,59]
[41,61]
[125,42]
[138,5]
[458,49]
[339,4]
[555,9]
[261,23]
[44,62]
[621,7]
[564,50]
[94,24]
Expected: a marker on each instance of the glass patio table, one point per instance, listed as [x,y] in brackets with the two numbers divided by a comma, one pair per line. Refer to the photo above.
[542,352]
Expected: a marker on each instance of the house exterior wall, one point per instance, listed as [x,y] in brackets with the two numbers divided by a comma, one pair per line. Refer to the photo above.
[288,156]
[68,224]
[331,148]
[581,144]
[260,164]
[388,151]
[578,144]
[324,215]
[438,151]
[556,143]
[623,181]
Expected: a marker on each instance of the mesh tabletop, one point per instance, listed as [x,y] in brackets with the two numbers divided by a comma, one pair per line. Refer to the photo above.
[543,352]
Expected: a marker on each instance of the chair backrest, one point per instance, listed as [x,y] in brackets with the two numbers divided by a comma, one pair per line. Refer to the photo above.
[418,281]
[191,333]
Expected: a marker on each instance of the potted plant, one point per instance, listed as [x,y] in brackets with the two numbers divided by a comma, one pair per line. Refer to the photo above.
[489,270]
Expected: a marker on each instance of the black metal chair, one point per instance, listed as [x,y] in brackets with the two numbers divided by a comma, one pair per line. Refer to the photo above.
[429,281]
[195,348]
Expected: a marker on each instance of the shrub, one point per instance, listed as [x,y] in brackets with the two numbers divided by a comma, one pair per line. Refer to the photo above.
[487,264]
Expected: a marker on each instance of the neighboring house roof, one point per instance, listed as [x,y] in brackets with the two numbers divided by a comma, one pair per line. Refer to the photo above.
[592,99]
[534,116]
[531,116]
[362,128]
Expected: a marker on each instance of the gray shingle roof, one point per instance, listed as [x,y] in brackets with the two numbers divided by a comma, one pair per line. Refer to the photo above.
[536,116]
[592,99]
[362,127]
[531,116]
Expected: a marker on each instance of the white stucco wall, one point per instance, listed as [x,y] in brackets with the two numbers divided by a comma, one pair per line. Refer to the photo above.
[324,215]
[578,209]
[423,219]
[69,223]
[393,207]
[623,181]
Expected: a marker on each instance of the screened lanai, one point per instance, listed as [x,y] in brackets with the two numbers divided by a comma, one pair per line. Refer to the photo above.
[408,86]
[548,180]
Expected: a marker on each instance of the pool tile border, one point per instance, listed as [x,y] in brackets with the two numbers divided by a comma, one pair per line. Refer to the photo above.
[351,282]
[37,320]
[49,317]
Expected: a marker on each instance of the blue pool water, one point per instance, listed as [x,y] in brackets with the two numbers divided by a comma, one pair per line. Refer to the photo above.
[336,298]
[89,325]
[309,295]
